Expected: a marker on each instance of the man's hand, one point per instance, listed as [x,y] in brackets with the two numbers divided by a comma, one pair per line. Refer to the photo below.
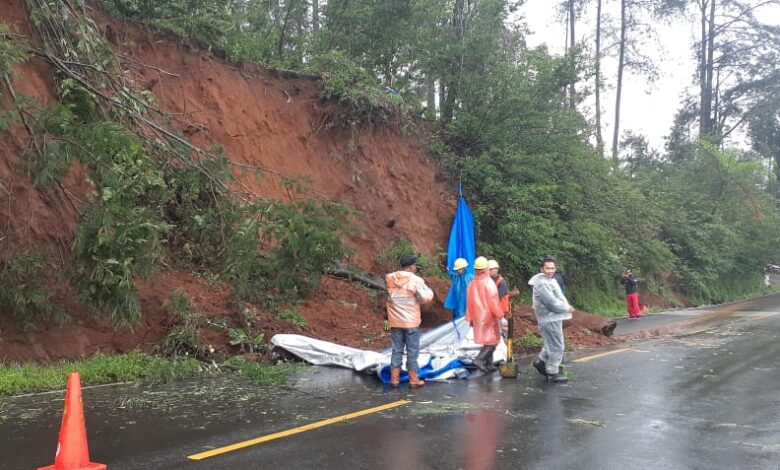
[514,292]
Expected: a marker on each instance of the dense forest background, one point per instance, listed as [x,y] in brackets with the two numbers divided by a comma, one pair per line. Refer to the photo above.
[698,218]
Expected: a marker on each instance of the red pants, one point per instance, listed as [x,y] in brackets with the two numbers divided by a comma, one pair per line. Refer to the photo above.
[632,303]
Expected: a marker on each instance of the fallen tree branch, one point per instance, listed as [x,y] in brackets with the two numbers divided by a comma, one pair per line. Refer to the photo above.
[136,61]
[21,115]
[57,63]
[362,277]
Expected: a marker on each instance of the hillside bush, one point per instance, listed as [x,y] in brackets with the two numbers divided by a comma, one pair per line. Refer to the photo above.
[22,289]
[363,103]
[12,51]
[184,339]
[279,251]
[387,260]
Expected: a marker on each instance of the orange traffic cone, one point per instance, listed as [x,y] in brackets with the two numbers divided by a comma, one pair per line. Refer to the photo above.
[72,451]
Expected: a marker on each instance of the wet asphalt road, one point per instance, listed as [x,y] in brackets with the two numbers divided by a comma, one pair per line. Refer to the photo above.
[707,397]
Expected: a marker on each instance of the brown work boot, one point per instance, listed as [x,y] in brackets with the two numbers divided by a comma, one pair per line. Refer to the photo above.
[395,376]
[414,380]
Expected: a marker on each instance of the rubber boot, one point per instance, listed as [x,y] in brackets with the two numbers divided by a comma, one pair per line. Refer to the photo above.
[489,359]
[540,366]
[557,378]
[480,361]
[414,380]
[395,376]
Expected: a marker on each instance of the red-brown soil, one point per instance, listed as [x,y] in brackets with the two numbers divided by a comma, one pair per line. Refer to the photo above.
[263,120]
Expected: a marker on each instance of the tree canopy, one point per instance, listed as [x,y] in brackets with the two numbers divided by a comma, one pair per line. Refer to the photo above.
[694,218]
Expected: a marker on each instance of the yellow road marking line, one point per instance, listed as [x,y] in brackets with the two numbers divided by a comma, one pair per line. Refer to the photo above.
[596,356]
[290,432]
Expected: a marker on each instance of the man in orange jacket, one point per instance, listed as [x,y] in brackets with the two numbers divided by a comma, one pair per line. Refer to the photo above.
[484,311]
[504,294]
[406,291]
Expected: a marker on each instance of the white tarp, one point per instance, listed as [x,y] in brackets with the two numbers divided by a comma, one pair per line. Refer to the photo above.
[444,352]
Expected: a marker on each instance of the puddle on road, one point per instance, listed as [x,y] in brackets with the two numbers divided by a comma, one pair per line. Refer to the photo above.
[29,409]
[708,340]
[761,447]
[588,422]
[519,415]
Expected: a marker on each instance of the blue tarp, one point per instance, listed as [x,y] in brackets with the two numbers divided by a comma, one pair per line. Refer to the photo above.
[444,351]
[461,245]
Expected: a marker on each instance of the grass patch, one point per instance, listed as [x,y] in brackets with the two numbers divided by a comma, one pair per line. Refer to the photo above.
[529,340]
[99,369]
[594,299]
[293,317]
[264,374]
[732,289]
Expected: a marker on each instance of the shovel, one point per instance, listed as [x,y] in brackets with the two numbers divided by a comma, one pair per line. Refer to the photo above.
[508,369]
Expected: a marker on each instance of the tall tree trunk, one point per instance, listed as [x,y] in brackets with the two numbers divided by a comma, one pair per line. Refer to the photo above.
[446,110]
[449,99]
[599,136]
[572,42]
[704,103]
[777,173]
[315,15]
[283,30]
[621,64]
[430,98]
[710,69]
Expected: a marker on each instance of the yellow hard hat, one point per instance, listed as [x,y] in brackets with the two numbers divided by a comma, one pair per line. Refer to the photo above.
[492,264]
[460,263]
[481,263]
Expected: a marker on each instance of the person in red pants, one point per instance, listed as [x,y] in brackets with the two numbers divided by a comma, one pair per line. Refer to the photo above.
[632,296]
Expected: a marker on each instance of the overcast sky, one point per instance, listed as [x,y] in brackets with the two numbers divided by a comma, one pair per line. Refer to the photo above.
[647,108]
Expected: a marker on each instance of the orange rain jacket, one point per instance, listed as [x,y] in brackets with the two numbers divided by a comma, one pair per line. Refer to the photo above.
[406,291]
[504,301]
[483,309]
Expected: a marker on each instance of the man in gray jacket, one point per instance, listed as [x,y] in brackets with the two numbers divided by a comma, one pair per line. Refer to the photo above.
[551,308]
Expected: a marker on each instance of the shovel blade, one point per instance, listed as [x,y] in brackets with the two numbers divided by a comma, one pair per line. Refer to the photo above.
[508,370]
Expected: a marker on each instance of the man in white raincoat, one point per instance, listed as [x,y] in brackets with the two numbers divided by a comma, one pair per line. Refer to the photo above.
[551,309]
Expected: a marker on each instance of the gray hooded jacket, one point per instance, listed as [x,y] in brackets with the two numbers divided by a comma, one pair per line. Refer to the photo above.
[549,302]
